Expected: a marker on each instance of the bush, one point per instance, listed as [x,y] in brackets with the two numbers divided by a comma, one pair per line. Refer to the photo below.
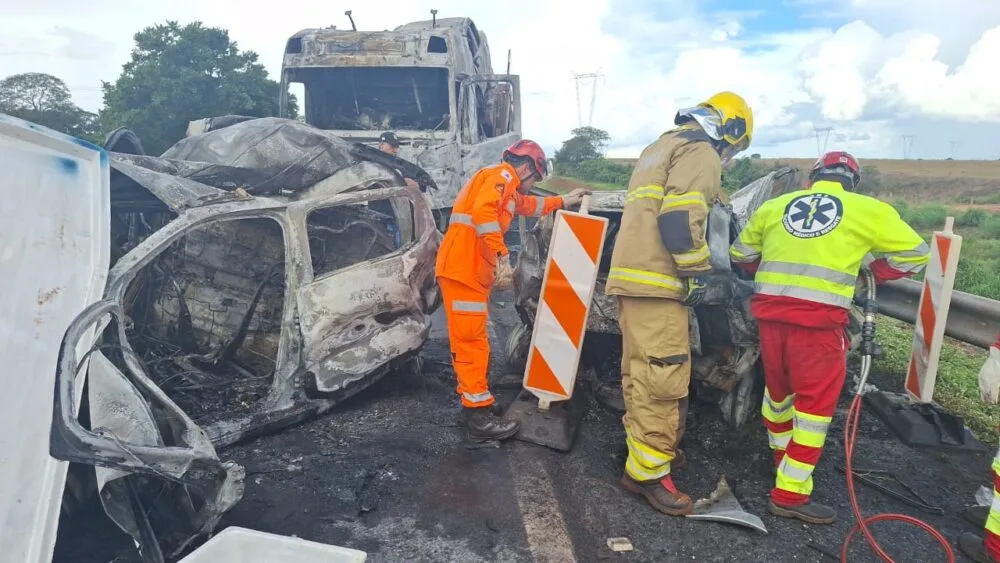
[927,217]
[978,277]
[971,218]
[871,181]
[742,172]
[598,170]
[991,227]
[902,207]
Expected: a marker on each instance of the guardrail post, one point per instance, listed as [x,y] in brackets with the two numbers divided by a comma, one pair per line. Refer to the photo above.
[932,313]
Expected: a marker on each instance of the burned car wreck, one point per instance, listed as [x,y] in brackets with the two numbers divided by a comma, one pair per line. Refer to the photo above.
[262,272]
[726,367]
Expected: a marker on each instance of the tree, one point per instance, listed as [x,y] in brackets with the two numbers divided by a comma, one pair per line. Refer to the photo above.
[871,181]
[587,143]
[181,73]
[45,100]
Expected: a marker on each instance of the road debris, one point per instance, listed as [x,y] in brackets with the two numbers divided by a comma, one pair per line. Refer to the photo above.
[723,506]
[620,545]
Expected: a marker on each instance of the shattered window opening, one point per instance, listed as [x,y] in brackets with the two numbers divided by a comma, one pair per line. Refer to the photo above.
[437,45]
[342,236]
[207,316]
[375,98]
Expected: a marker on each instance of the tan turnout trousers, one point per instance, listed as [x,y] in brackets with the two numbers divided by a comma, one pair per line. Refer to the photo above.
[656,371]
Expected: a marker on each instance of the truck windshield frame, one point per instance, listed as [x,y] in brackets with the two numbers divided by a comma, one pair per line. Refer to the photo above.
[357,98]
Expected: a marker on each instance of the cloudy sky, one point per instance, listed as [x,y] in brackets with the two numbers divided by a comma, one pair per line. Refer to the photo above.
[873,70]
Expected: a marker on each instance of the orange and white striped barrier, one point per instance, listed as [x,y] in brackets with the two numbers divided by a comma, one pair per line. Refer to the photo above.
[564,304]
[932,312]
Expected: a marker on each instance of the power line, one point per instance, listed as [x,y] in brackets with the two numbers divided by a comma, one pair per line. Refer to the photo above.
[825,131]
[593,76]
[907,146]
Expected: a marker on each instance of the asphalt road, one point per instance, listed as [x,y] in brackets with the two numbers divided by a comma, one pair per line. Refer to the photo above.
[387,473]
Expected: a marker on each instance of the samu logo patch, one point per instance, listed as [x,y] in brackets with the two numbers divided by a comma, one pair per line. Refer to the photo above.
[812,215]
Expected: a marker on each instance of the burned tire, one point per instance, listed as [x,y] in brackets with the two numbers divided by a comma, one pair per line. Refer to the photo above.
[743,402]
[516,351]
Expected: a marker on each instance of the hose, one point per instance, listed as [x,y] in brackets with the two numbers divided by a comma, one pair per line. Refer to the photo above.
[850,438]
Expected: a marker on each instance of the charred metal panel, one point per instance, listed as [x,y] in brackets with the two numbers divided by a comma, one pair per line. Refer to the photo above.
[216,299]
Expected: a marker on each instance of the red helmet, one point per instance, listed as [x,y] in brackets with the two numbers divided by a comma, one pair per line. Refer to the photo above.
[837,162]
[530,149]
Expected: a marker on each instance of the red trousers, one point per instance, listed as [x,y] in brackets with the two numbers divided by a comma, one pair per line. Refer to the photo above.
[992,540]
[804,372]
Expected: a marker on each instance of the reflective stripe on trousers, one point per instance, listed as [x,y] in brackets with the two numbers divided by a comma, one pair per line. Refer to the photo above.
[804,372]
[645,463]
[466,312]
[992,543]
[778,417]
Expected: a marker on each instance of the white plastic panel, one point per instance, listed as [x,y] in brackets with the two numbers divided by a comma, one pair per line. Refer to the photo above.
[241,545]
[54,253]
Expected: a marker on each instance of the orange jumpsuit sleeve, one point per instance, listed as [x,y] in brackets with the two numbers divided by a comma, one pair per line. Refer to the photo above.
[536,206]
[486,215]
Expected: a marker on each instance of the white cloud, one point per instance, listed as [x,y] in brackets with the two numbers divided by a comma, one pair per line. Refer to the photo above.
[872,69]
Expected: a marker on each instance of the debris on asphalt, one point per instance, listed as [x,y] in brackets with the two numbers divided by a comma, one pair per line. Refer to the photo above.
[619,545]
[723,506]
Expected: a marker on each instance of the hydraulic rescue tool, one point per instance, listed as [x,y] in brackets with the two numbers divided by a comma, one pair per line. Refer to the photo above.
[870,308]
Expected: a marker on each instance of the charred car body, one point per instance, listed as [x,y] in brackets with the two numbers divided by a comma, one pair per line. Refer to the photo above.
[262,273]
[431,82]
[725,351]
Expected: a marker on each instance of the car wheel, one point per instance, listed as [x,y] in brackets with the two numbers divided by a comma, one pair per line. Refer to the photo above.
[744,400]
[516,352]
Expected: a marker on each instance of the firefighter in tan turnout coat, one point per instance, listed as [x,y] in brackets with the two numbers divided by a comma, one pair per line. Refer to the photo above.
[659,254]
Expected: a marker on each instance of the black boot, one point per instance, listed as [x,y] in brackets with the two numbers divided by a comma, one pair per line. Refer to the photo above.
[972,546]
[976,515]
[485,424]
[811,512]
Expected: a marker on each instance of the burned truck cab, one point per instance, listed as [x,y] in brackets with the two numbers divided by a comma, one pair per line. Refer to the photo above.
[430,82]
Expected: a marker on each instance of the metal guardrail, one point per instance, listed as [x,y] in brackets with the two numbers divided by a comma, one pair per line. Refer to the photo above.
[971,319]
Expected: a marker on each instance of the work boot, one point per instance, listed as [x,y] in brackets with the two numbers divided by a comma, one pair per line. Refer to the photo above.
[976,515]
[661,494]
[974,548]
[811,512]
[486,424]
[611,397]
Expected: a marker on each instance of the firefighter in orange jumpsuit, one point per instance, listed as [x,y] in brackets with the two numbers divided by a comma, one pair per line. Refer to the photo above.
[472,256]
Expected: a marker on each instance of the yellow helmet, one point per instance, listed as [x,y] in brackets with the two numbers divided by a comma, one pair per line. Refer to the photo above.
[737,118]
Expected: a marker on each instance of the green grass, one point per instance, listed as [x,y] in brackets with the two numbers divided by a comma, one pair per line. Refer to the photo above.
[551,184]
[957,387]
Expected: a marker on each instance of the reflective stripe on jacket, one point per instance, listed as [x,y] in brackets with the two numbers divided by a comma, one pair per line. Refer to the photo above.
[480,216]
[661,239]
[811,243]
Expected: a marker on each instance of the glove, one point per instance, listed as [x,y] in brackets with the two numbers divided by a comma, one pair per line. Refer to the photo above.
[696,291]
[503,274]
[989,377]
[574,198]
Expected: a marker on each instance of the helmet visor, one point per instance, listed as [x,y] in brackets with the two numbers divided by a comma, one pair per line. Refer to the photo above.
[707,117]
